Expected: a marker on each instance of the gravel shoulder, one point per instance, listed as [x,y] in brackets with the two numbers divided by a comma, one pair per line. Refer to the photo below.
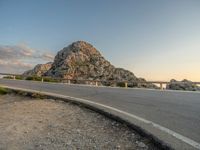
[28,123]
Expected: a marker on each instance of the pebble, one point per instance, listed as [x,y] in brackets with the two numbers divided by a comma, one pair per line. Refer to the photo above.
[141,144]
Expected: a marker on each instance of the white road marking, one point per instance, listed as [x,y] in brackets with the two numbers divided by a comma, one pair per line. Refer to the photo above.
[155,125]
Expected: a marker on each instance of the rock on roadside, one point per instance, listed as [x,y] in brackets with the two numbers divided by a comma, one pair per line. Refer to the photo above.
[185,85]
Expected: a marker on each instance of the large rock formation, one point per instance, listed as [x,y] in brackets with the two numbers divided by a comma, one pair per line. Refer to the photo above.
[81,60]
[185,85]
[38,70]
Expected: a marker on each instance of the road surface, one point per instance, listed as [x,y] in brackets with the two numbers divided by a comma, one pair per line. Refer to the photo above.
[176,111]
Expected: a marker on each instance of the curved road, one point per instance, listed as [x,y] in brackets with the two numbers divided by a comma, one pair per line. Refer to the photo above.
[176,111]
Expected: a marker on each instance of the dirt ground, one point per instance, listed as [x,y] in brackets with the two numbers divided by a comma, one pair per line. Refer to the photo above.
[29,124]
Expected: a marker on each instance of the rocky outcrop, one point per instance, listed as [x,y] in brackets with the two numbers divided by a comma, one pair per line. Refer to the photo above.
[38,70]
[82,61]
[185,85]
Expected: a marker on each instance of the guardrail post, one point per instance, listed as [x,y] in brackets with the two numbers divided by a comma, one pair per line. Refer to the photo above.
[96,83]
[161,86]
[14,77]
[68,81]
[126,85]
[42,80]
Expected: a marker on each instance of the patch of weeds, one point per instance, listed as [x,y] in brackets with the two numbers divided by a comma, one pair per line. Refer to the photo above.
[39,96]
[8,77]
[3,91]
[34,78]
[29,94]
[49,79]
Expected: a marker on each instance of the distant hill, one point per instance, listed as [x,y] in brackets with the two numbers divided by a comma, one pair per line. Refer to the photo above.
[39,70]
[80,60]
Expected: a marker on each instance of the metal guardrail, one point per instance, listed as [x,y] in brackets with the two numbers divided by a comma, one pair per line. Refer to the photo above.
[98,82]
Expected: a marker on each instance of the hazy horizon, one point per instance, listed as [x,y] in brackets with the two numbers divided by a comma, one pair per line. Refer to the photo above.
[156,40]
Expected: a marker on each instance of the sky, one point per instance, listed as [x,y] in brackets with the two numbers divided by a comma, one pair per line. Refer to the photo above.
[157,39]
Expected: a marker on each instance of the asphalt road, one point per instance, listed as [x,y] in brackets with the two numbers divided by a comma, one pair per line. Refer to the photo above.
[177,111]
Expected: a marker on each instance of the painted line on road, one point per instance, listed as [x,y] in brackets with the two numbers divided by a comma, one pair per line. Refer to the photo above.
[155,125]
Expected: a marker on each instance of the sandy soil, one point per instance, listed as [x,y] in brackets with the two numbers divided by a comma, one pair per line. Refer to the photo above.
[31,124]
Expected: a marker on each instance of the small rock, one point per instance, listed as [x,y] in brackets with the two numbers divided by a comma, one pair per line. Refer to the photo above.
[141,144]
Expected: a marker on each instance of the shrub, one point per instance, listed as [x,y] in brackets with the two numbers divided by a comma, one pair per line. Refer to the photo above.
[34,78]
[29,78]
[121,84]
[8,77]
[19,77]
[45,79]
[49,79]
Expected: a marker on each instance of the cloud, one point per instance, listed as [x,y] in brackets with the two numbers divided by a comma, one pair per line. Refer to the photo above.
[15,66]
[22,51]
[48,56]
[16,51]
[15,63]
[19,58]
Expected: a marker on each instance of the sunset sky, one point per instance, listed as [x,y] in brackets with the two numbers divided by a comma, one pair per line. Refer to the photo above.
[155,39]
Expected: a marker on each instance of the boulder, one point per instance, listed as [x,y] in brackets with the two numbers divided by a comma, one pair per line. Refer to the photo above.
[185,85]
